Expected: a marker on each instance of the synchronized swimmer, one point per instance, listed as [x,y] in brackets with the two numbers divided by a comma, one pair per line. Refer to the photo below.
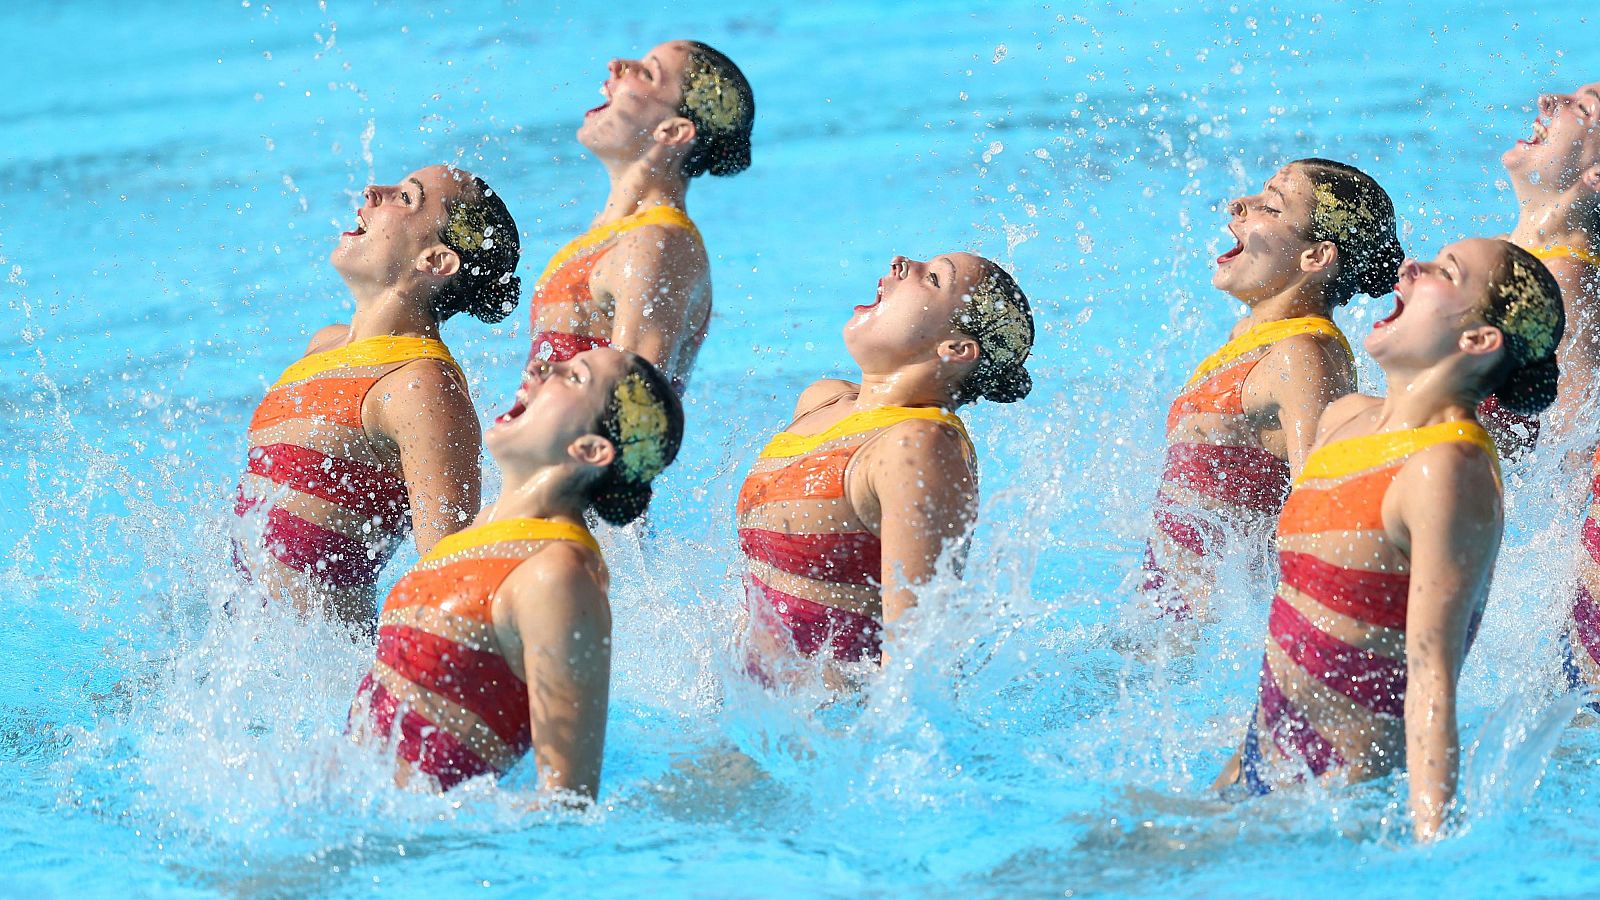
[1387,510]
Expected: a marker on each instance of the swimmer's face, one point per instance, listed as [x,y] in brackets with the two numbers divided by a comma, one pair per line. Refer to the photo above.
[640,95]
[912,309]
[397,228]
[1563,142]
[1269,230]
[556,407]
[1435,302]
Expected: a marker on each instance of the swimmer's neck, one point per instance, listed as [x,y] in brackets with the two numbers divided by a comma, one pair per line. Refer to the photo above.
[545,492]
[911,386]
[640,184]
[1298,302]
[1430,396]
[391,311]
[1550,221]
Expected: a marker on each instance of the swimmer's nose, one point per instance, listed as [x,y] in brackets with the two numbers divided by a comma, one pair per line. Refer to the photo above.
[370,195]
[617,67]
[1410,269]
[896,263]
[1548,104]
[1236,208]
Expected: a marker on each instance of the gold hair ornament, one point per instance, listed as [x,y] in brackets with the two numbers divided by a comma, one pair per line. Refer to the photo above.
[641,430]
[1001,326]
[711,97]
[1530,314]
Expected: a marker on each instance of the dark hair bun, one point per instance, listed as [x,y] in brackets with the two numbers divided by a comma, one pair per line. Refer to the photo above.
[1531,389]
[618,503]
[1008,386]
[1380,270]
[494,301]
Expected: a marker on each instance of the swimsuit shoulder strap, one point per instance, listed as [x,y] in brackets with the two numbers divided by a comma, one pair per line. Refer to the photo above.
[669,216]
[1557,251]
[374,351]
[1372,451]
[511,530]
[1268,333]
[787,443]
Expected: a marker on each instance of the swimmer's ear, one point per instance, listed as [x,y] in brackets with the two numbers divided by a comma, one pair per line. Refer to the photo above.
[960,349]
[593,450]
[1481,340]
[677,131]
[439,260]
[1319,256]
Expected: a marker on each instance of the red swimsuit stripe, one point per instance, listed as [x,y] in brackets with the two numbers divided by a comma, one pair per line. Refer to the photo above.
[356,487]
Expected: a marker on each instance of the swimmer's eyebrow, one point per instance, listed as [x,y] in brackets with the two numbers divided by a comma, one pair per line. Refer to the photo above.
[1273,189]
[951,263]
[652,58]
[1594,92]
[422,193]
[588,374]
[1454,261]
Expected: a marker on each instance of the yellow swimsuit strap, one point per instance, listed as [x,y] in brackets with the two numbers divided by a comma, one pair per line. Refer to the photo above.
[373,351]
[1556,251]
[511,530]
[787,443]
[1372,451]
[655,215]
[1264,334]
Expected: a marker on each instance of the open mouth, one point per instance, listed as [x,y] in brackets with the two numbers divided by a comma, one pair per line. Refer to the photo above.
[875,300]
[1233,254]
[604,93]
[519,405]
[1399,307]
[1540,132]
[360,229]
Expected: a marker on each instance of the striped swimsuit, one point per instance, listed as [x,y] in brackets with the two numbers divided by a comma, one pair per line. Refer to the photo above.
[1583,629]
[441,678]
[814,566]
[332,506]
[1220,487]
[564,284]
[1333,680]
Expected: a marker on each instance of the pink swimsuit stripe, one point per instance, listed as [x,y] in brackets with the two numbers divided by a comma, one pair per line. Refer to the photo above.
[1369,679]
[815,626]
[433,749]
[1295,734]
[1247,477]
[480,682]
[313,550]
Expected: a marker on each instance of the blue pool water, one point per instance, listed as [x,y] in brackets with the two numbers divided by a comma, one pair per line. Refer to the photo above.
[174,176]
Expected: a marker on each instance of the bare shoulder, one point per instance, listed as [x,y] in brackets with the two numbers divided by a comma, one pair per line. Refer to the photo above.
[561,579]
[1343,410]
[918,442]
[820,392]
[662,248]
[425,381]
[1308,356]
[1461,470]
[327,337]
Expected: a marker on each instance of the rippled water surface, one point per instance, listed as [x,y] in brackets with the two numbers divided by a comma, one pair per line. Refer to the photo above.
[174,176]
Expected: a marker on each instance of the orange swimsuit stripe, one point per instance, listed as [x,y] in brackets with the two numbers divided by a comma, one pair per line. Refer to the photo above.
[1222,392]
[374,351]
[1353,505]
[423,585]
[818,477]
[327,399]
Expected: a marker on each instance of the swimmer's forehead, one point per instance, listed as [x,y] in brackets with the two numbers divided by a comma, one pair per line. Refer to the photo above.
[1290,186]
[1472,257]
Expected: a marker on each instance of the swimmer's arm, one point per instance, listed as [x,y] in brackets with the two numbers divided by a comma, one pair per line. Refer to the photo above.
[425,411]
[1450,508]
[1297,380]
[654,276]
[928,498]
[564,623]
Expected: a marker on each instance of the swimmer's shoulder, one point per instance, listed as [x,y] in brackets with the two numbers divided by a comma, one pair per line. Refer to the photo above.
[821,393]
[328,338]
[1343,411]
[561,580]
